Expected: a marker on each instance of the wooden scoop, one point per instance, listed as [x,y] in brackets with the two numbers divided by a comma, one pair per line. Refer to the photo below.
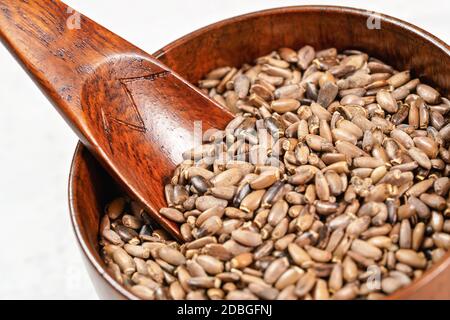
[133,113]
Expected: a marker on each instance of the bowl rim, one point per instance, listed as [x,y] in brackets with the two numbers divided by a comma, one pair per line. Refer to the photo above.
[430,274]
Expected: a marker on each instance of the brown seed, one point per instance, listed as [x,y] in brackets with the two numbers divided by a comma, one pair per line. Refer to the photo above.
[406,211]
[252,201]
[441,240]
[172,214]
[429,94]
[247,238]
[143,292]
[241,85]
[387,101]
[434,201]
[285,105]
[390,284]
[418,235]
[348,292]
[203,282]
[263,181]
[278,212]
[242,261]
[275,270]
[115,208]
[172,256]
[318,255]
[442,186]
[322,188]
[420,156]
[405,236]
[112,237]
[411,258]
[327,94]
[305,284]
[305,56]
[211,265]
[399,79]
[263,291]
[124,261]
[366,249]
[349,269]
[367,162]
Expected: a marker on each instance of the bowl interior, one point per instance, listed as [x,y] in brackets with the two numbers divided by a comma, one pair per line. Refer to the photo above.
[240,40]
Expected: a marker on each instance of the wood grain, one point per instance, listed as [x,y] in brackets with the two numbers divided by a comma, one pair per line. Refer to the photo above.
[132,112]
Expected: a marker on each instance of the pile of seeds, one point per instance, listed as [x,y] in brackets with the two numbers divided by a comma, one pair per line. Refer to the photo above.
[330,182]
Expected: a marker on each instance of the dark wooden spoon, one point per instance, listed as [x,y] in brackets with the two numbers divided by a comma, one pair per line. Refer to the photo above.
[133,113]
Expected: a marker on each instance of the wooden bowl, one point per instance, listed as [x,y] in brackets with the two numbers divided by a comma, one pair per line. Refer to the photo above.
[242,39]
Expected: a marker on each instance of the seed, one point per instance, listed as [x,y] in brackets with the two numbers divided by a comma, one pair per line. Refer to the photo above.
[247,238]
[275,270]
[348,292]
[322,188]
[252,201]
[418,236]
[387,101]
[405,236]
[112,237]
[441,240]
[210,264]
[420,156]
[124,261]
[411,258]
[390,284]
[305,56]
[366,249]
[204,203]
[263,291]
[241,85]
[442,186]
[399,79]
[171,256]
[172,214]
[115,208]
[203,282]
[305,284]
[137,251]
[298,255]
[143,292]
[318,255]
[429,94]
[434,201]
